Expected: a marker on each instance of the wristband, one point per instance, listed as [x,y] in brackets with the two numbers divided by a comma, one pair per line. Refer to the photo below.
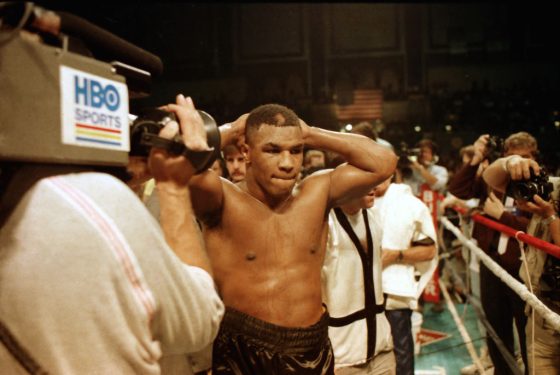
[400,257]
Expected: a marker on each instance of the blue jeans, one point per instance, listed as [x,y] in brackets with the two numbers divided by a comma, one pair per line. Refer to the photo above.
[403,342]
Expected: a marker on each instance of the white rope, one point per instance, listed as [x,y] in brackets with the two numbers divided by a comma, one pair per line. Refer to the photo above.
[532,322]
[461,327]
[550,316]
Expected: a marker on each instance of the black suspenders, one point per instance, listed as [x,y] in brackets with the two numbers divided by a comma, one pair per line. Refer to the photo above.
[371,308]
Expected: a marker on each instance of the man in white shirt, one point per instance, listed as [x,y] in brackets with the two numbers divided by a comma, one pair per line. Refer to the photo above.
[425,171]
[358,329]
[409,246]
[91,283]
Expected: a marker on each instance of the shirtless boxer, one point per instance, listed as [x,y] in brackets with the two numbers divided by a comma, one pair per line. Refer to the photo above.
[266,239]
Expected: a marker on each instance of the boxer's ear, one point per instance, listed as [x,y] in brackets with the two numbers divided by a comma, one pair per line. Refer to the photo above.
[245,151]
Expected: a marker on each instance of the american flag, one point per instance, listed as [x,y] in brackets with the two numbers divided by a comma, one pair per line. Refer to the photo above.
[367,105]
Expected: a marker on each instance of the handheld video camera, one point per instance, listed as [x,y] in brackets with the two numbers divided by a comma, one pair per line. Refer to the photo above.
[406,157]
[410,154]
[144,132]
[61,105]
[526,189]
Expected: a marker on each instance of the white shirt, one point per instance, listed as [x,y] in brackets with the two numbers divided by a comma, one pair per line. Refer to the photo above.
[89,284]
[438,171]
[404,218]
[344,292]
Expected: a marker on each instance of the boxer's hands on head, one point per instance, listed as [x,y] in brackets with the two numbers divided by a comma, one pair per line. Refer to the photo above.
[305,129]
[175,169]
[238,129]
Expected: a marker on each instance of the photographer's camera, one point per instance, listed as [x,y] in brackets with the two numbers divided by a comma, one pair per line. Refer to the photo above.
[407,156]
[494,148]
[526,189]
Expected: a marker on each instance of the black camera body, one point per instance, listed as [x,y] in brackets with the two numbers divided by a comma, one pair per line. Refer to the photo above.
[526,189]
[406,156]
[144,132]
[494,148]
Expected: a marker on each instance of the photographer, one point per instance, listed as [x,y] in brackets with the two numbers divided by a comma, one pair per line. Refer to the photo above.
[467,183]
[425,171]
[542,269]
[90,283]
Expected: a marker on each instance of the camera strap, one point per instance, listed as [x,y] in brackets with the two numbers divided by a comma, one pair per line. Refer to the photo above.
[504,239]
[199,159]
[371,309]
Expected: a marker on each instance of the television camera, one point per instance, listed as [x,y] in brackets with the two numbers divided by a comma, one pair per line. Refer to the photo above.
[66,85]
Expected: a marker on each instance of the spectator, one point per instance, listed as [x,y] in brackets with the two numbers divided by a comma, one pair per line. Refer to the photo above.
[366,128]
[313,161]
[236,163]
[352,290]
[409,246]
[425,171]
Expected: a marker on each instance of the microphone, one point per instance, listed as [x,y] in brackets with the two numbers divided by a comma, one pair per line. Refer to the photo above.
[108,45]
[103,44]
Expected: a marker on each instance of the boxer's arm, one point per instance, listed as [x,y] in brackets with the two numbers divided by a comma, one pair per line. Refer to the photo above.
[368,163]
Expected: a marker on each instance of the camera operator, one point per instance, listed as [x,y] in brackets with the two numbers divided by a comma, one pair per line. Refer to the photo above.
[90,283]
[500,304]
[425,171]
[542,271]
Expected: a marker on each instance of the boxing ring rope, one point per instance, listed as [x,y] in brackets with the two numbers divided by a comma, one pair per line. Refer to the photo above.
[547,247]
[551,317]
[507,356]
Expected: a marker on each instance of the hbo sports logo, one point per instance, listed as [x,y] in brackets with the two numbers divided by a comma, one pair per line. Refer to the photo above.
[91,93]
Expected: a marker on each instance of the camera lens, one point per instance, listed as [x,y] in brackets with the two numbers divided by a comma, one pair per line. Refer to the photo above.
[526,191]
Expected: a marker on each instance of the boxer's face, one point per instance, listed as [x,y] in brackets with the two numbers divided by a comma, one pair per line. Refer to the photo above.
[275,154]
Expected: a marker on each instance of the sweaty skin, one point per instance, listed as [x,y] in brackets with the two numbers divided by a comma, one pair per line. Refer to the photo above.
[266,239]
